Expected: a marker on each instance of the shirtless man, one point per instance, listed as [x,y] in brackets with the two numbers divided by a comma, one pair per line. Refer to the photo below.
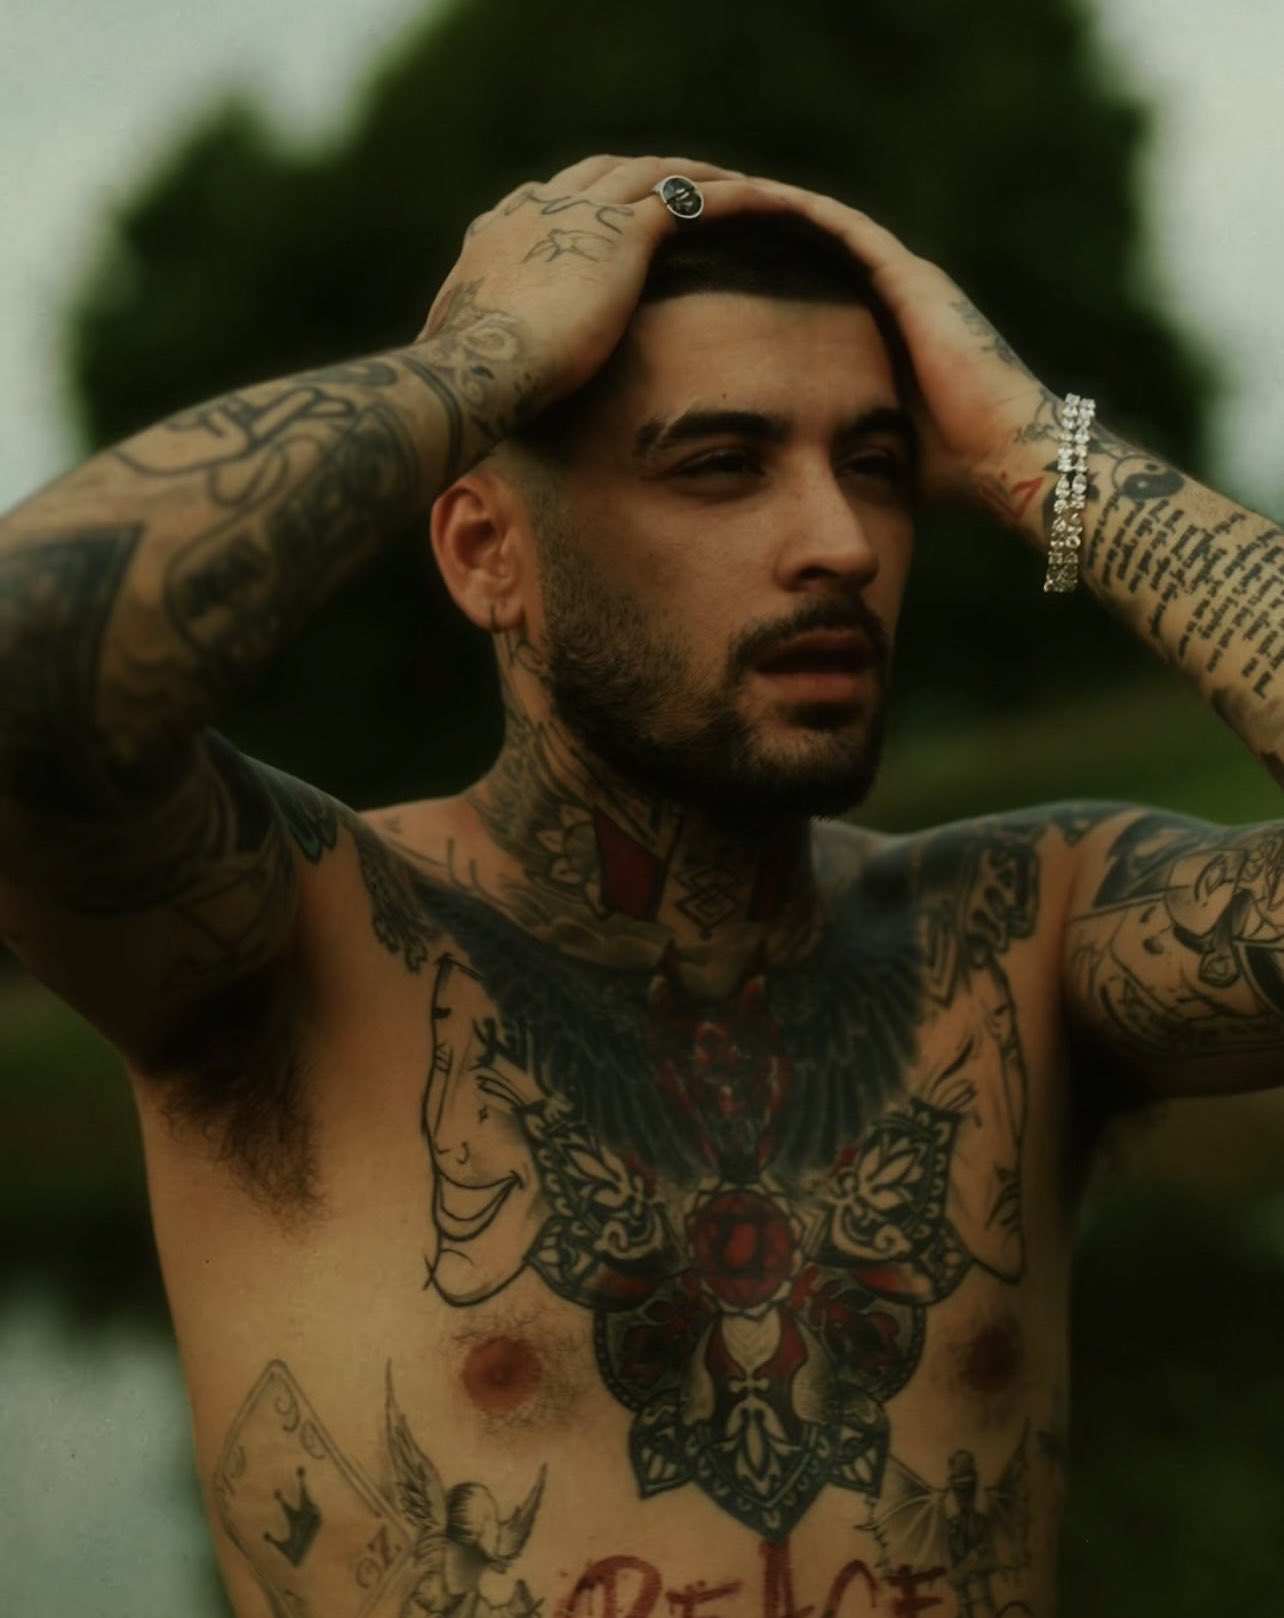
[612,1191]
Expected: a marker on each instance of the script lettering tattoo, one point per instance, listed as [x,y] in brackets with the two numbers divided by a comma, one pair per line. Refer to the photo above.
[740,1188]
[1225,579]
[1198,578]
[594,243]
[604,214]
[320,1537]
[625,1586]
[1181,952]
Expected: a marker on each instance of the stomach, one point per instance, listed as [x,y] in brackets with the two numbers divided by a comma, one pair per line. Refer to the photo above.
[486,1466]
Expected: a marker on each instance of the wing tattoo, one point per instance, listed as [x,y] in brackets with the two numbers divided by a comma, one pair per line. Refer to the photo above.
[418,1485]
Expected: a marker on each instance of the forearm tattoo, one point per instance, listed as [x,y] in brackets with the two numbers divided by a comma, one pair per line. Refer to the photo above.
[221,530]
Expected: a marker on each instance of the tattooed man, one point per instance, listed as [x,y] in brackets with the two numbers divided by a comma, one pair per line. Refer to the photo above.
[619,1189]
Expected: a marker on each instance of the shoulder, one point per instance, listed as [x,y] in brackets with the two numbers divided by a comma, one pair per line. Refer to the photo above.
[1015,839]
[372,910]
[991,880]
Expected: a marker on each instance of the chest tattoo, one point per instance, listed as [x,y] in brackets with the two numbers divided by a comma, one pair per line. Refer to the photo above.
[759,1197]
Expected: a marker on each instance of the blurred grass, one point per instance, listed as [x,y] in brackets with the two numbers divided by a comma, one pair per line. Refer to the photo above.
[1177,1435]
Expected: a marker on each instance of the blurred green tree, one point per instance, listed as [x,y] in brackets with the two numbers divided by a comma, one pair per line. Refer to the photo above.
[991,136]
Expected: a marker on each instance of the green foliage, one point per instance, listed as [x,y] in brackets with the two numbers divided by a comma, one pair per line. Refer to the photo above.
[984,134]
[72,1189]
[1179,1409]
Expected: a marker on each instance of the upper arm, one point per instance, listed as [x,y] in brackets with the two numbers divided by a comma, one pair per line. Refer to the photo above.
[1174,949]
[174,911]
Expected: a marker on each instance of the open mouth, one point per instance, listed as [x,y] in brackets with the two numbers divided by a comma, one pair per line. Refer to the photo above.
[822,667]
[821,653]
[464,1211]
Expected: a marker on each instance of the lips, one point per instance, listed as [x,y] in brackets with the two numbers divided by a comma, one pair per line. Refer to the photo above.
[822,652]
[464,1211]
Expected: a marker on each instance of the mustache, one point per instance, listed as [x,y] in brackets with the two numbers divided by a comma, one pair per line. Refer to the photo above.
[761,639]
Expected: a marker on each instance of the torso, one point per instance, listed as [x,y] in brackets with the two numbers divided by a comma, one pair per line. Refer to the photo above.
[629,1301]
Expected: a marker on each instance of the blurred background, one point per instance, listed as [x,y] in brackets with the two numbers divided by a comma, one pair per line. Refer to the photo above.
[199,196]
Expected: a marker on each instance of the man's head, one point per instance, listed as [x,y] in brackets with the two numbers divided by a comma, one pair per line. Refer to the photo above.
[706,547]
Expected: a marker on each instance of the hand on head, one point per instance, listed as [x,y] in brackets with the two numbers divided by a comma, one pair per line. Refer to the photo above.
[551,274]
[549,277]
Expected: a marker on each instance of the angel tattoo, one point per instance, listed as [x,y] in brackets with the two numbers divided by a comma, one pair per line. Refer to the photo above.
[462,1542]
[973,1537]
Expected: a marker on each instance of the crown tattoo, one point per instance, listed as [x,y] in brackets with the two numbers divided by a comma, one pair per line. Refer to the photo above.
[301,1524]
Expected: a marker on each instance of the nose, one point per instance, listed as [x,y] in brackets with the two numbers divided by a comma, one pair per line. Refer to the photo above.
[825,538]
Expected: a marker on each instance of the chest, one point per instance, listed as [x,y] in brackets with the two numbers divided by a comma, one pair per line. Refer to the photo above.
[729,1223]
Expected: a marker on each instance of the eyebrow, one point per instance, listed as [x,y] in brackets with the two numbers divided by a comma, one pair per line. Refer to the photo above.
[657,436]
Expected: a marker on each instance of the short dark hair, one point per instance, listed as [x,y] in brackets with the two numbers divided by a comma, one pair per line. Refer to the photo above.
[780,256]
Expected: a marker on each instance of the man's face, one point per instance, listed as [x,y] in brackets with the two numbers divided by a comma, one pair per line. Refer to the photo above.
[721,576]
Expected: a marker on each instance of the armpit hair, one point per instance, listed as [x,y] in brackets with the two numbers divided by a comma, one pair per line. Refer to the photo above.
[236,1077]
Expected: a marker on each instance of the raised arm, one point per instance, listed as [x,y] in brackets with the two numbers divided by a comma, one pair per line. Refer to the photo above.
[147,871]
[1174,939]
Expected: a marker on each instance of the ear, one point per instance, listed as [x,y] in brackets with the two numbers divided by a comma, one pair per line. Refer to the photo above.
[480,539]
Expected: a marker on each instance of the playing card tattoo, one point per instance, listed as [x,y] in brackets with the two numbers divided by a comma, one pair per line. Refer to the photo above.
[324,1542]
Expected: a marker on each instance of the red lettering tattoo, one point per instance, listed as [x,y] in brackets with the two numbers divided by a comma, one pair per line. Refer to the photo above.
[606,1576]
[685,1601]
[905,1581]
[778,1582]
[844,1576]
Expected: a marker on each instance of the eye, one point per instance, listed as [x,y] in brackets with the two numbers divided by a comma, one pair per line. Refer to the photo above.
[727,461]
[888,467]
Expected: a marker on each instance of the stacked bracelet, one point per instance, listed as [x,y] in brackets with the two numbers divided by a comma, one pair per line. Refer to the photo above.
[1071,495]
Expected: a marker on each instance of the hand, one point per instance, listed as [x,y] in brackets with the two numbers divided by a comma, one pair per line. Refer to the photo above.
[549,277]
[981,413]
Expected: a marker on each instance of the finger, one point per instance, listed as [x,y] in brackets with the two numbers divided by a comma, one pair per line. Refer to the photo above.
[577,178]
[723,197]
[584,173]
[634,178]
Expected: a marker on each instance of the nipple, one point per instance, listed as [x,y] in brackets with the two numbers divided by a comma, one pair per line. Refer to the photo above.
[501,1374]
[991,1361]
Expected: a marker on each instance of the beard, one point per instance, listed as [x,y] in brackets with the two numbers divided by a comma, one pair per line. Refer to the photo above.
[623,688]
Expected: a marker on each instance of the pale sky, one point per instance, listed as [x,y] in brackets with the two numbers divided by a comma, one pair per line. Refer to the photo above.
[91,94]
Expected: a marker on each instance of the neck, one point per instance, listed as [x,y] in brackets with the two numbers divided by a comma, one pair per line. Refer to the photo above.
[602,868]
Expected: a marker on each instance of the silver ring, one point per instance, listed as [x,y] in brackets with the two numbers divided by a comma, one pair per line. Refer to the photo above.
[682,197]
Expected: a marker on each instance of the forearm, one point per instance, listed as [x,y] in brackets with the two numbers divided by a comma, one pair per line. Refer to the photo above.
[1195,576]
[141,590]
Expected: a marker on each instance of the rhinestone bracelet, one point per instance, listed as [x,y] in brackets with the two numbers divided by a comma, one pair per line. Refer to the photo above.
[1071,495]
